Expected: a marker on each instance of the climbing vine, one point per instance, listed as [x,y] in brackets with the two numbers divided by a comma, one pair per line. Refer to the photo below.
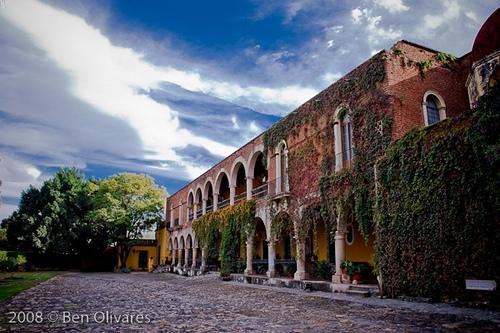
[364,79]
[445,59]
[232,225]
[438,206]
[350,193]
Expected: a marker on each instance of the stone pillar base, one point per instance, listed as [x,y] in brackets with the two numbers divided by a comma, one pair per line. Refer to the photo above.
[300,275]
[271,274]
[336,278]
[248,272]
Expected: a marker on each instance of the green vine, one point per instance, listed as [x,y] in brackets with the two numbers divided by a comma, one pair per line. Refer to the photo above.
[350,192]
[438,206]
[445,59]
[232,224]
[349,87]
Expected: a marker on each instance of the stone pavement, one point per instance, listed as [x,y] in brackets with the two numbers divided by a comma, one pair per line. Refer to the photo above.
[114,302]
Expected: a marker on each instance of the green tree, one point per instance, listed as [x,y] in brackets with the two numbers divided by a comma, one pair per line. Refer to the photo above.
[53,220]
[128,204]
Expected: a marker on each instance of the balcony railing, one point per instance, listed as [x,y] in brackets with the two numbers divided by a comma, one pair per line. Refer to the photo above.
[199,212]
[190,217]
[223,204]
[278,187]
[239,197]
[209,208]
[260,191]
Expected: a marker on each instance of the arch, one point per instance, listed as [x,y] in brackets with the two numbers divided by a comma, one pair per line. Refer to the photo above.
[170,245]
[238,178]
[433,107]
[208,195]
[222,186]
[208,183]
[253,159]
[189,242]
[257,170]
[198,196]
[176,243]
[190,198]
[240,161]
[182,244]
[343,137]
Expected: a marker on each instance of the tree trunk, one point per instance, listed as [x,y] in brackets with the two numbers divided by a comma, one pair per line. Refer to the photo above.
[124,251]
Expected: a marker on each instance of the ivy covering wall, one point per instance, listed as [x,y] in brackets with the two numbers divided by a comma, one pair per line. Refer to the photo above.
[224,231]
[438,206]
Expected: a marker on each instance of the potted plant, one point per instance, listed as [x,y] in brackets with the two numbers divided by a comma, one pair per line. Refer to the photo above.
[346,266]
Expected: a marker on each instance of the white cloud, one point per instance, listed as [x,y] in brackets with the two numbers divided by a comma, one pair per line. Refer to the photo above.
[253,128]
[330,43]
[16,175]
[356,15]
[375,32]
[329,78]
[393,6]
[450,12]
[234,120]
[472,16]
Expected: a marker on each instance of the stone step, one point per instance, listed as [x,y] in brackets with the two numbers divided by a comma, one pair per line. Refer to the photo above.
[357,292]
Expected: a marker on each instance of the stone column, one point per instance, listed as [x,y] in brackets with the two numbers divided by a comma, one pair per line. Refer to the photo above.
[249,269]
[249,188]
[300,274]
[339,255]
[271,256]
[338,146]
[171,218]
[193,264]
[195,211]
[203,259]
[216,200]
[232,191]
[185,252]
[204,207]
[173,257]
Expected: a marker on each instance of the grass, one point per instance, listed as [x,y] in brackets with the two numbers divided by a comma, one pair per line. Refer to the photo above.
[13,283]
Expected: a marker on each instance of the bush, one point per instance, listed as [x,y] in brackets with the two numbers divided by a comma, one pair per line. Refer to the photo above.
[10,261]
[323,270]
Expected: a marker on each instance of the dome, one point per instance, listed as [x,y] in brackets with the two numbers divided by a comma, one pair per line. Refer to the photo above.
[488,38]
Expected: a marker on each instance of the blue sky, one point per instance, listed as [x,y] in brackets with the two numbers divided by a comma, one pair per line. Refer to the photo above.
[169,88]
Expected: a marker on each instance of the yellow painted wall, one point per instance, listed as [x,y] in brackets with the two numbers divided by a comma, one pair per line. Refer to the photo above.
[321,242]
[358,251]
[162,237]
[133,257]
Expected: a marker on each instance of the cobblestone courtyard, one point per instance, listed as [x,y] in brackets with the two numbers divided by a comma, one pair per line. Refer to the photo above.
[206,304]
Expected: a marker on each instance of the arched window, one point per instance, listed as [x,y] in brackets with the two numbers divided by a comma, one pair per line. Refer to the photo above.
[282,168]
[434,108]
[349,235]
[343,135]
[347,145]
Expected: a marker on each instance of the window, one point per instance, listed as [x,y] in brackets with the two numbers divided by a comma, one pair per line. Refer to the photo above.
[349,235]
[434,108]
[343,135]
[347,139]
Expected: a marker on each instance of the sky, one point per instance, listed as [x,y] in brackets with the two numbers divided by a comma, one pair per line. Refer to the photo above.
[169,88]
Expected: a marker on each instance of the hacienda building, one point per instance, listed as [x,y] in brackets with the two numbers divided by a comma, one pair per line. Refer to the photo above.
[340,131]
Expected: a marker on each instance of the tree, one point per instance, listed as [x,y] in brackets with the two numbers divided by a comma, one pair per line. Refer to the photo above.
[53,220]
[128,204]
